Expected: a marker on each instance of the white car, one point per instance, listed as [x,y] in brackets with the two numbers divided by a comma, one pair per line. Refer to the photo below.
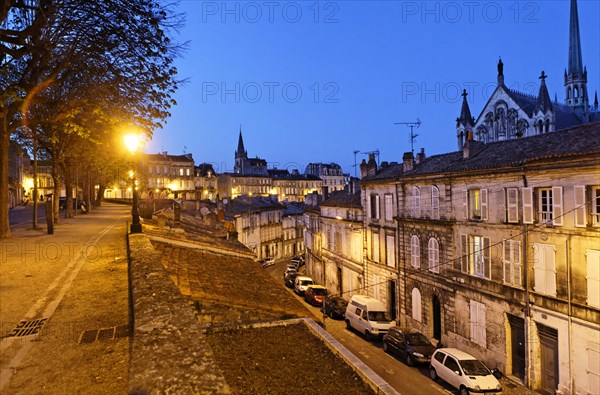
[301,283]
[463,371]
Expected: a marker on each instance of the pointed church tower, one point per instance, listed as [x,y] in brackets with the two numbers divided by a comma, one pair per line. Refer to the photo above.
[544,110]
[241,155]
[464,123]
[576,75]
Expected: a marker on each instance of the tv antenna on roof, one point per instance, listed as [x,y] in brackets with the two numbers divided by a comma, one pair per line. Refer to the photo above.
[355,152]
[413,136]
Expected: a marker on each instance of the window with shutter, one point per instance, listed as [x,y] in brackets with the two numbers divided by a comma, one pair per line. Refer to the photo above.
[580,212]
[416,202]
[511,258]
[435,202]
[595,206]
[416,304]
[557,206]
[433,254]
[388,201]
[464,254]
[593,277]
[483,196]
[544,268]
[415,253]
[512,205]
[390,246]
[477,322]
[528,205]
[375,247]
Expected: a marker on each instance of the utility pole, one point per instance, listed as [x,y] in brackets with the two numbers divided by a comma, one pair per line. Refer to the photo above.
[413,136]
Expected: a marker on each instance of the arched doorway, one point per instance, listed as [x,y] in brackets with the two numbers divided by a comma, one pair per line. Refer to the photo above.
[437,318]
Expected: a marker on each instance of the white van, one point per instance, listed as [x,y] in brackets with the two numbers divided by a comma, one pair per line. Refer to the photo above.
[368,315]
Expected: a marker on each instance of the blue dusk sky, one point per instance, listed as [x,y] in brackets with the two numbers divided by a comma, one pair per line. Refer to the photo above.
[314,81]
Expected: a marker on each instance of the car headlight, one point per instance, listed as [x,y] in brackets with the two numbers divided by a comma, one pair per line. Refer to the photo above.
[418,354]
[477,388]
[499,387]
[375,331]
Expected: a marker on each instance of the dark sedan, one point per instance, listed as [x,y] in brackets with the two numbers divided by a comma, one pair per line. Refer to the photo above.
[334,307]
[410,345]
[290,278]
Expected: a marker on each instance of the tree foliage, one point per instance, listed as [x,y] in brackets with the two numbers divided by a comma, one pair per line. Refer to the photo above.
[78,71]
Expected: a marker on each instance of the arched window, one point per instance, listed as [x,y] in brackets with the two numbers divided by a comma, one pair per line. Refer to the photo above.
[416,202]
[569,93]
[576,92]
[540,127]
[433,253]
[435,202]
[547,127]
[415,252]
[416,304]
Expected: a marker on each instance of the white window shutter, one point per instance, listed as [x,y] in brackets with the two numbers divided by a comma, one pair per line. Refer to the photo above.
[528,205]
[484,204]
[516,262]
[593,277]
[512,205]
[464,254]
[557,206]
[506,261]
[580,212]
[538,266]
[466,204]
[473,319]
[487,267]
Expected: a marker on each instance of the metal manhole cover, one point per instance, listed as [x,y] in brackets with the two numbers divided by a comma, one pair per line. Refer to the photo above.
[26,328]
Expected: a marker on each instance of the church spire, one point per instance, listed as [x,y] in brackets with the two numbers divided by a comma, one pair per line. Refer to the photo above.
[575,60]
[464,123]
[543,101]
[576,73]
[240,148]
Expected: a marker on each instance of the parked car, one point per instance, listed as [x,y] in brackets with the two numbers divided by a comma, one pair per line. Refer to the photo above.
[368,316]
[62,203]
[301,283]
[298,261]
[463,372]
[334,307]
[411,345]
[289,270]
[315,294]
[290,279]
[270,261]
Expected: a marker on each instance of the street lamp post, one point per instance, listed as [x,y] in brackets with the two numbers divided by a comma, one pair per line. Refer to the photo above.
[132,142]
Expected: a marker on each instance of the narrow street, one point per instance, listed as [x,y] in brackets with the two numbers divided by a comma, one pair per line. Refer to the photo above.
[403,378]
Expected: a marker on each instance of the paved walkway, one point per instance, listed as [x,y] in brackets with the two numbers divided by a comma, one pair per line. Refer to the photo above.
[71,289]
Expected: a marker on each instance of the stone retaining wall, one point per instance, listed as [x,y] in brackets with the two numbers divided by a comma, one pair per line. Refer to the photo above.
[168,353]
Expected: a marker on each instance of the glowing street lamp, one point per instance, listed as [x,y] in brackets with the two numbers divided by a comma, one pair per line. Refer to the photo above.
[132,142]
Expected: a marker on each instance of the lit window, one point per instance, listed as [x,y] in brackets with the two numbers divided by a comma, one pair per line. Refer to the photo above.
[475,256]
[476,204]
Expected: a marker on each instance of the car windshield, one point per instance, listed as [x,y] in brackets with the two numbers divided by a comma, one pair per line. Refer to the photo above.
[306,282]
[379,316]
[319,291]
[417,339]
[473,367]
[340,303]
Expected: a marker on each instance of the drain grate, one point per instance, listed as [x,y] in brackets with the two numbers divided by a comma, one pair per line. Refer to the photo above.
[27,328]
[103,334]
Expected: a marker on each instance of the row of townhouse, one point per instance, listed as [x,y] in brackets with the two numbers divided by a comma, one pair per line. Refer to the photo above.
[494,249]
[267,227]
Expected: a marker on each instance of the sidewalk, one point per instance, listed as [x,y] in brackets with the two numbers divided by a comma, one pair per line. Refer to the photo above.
[71,288]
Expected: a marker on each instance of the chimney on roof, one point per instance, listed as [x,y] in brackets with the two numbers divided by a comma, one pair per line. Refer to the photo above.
[384,164]
[363,169]
[408,162]
[371,165]
[164,153]
[420,156]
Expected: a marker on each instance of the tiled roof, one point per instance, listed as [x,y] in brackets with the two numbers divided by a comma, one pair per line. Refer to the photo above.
[575,142]
[203,168]
[343,199]
[294,208]
[244,204]
[171,158]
